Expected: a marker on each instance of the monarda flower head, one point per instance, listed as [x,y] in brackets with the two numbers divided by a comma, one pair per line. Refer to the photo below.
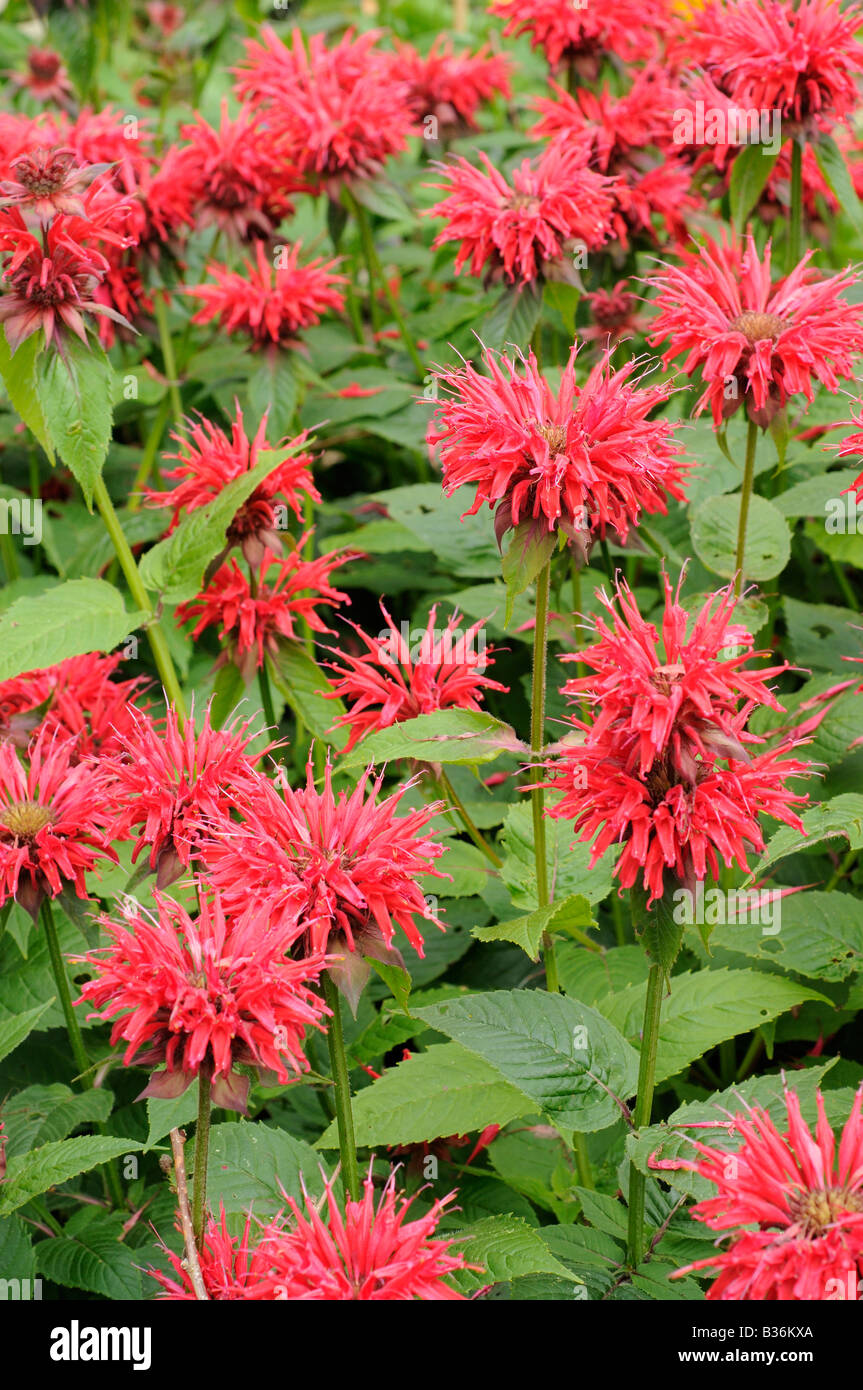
[273,298]
[55,816]
[340,112]
[755,342]
[48,181]
[792,1203]
[209,459]
[340,872]
[449,87]
[798,57]
[172,783]
[582,459]
[209,992]
[76,699]
[396,679]
[664,767]
[582,35]
[537,227]
[253,618]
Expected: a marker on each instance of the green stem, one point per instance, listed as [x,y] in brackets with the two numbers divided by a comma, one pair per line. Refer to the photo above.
[10,559]
[537,743]
[844,585]
[617,919]
[61,979]
[643,1108]
[795,223]
[449,793]
[847,863]
[582,1161]
[745,499]
[377,276]
[342,1080]
[266,691]
[155,635]
[167,346]
[202,1149]
[750,1055]
[76,1042]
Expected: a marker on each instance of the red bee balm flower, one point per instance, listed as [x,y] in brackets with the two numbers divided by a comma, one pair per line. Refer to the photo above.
[754,340]
[582,34]
[527,229]
[76,699]
[172,784]
[665,767]
[225,1260]
[205,992]
[54,815]
[341,873]
[799,58]
[340,111]
[252,622]
[369,1251]
[271,300]
[209,460]
[449,86]
[393,680]
[804,1201]
[583,459]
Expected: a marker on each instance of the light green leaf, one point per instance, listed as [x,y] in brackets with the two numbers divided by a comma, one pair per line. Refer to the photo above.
[749,174]
[842,817]
[75,393]
[566,1057]
[456,736]
[445,1090]
[19,377]
[833,166]
[301,681]
[714,537]
[82,615]
[30,1174]
[527,931]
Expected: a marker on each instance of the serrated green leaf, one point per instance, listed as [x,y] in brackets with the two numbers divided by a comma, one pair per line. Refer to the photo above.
[527,931]
[454,736]
[41,1115]
[13,1031]
[566,1057]
[514,317]
[529,550]
[506,1248]
[28,1175]
[445,1090]
[94,1258]
[19,377]
[840,818]
[301,681]
[251,1164]
[703,1009]
[75,394]
[819,935]
[82,615]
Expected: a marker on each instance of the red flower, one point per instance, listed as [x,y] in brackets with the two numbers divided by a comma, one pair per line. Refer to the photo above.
[76,699]
[226,1265]
[800,58]
[369,1251]
[528,229]
[209,460]
[46,79]
[614,314]
[751,338]
[173,784]
[340,873]
[270,302]
[396,679]
[252,620]
[54,814]
[803,1199]
[583,459]
[664,767]
[47,182]
[211,992]
[449,86]
[235,176]
[51,282]
[583,34]
[340,111]
[851,447]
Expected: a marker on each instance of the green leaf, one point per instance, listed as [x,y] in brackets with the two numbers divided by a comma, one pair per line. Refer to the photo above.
[834,168]
[94,1258]
[82,615]
[274,387]
[530,549]
[656,927]
[30,1174]
[75,393]
[673,1139]
[840,817]
[821,635]
[250,1164]
[514,317]
[445,1090]
[229,690]
[397,980]
[19,377]
[13,1031]
[704,1009]
[455,736]
[569,869]
[527,931]
[810,497]
[175,567]
[46,1114]
[506,1248]
[749,174]
[301,681]
[566,1057]
[591,975]
[17,1258]
[463,545]
[714,537]
[819,935]
[165,1115]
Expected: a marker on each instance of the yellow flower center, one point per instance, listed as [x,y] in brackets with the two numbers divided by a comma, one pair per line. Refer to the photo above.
[25,819]
[757,327]
[814,1211]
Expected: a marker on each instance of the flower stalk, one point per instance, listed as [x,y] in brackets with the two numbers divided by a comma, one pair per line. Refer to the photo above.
[342,1083]
[745,499]
[202,1149]
[643,1108]
[537,740]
